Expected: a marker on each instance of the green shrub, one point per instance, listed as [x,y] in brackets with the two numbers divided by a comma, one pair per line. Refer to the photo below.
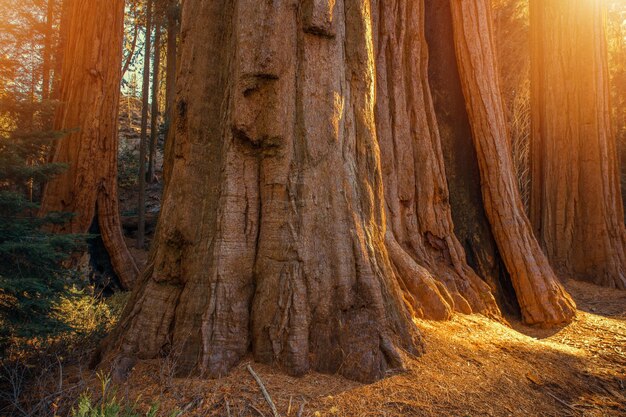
[32,279]
[110,406]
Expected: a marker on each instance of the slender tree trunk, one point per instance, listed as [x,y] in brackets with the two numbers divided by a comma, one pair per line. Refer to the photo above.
[541,297]
[60,49]
[154,113]
[145,92]
[420,237]
[173,30]
[131,51]
[47,50]
[89,96]
[576,200]
[272,231]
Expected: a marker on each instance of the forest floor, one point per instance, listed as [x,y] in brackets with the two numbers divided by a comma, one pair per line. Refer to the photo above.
[472,367]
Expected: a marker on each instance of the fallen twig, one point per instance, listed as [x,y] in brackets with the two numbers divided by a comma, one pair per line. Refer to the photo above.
[561,401]
[264,391]
[301,409]
[257,410]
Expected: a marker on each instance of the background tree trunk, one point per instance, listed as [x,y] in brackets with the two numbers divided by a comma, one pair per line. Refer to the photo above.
[576,204]
[133,44]
[89,96]
[173,30]
[541,297]
[154,112]
[64,27]
[145,94]
[272,231]
[47,50]
[427,255]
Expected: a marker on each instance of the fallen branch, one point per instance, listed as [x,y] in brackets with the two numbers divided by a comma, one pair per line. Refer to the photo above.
[264,391]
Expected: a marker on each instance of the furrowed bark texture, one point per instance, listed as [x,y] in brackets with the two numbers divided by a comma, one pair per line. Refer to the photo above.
[463,174]
[541,297]
[429,259]
[143,138]
[173,32]
[154,110]
[281,247]
[576,204]
[89,96]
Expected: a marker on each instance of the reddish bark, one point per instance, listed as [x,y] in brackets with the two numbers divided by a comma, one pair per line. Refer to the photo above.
[272,231]
[541,297]
[89,95]
[430,260]
[576,203]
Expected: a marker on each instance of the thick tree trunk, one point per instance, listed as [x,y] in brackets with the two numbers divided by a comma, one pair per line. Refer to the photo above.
[420,237]
[576,204]
[463,174]
[272,232]
[89,95]
[541,297]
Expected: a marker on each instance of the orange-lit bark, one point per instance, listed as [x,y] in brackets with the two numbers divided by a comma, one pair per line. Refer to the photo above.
[89,95]
[420,237]
[541,297]
[272,230]
[576,204]
[462,172]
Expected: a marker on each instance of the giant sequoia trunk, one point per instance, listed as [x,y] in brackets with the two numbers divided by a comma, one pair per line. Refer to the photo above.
[272,232]
[89,95]
[462,172]
[576,204]
[541,298]
[420,238]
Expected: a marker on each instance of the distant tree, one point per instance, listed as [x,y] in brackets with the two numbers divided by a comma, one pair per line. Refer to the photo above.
[576,203]
[143,139]
[173,31]
[89,95]
[154,112]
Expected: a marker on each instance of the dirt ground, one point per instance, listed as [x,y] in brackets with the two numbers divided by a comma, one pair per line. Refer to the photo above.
[473,367]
